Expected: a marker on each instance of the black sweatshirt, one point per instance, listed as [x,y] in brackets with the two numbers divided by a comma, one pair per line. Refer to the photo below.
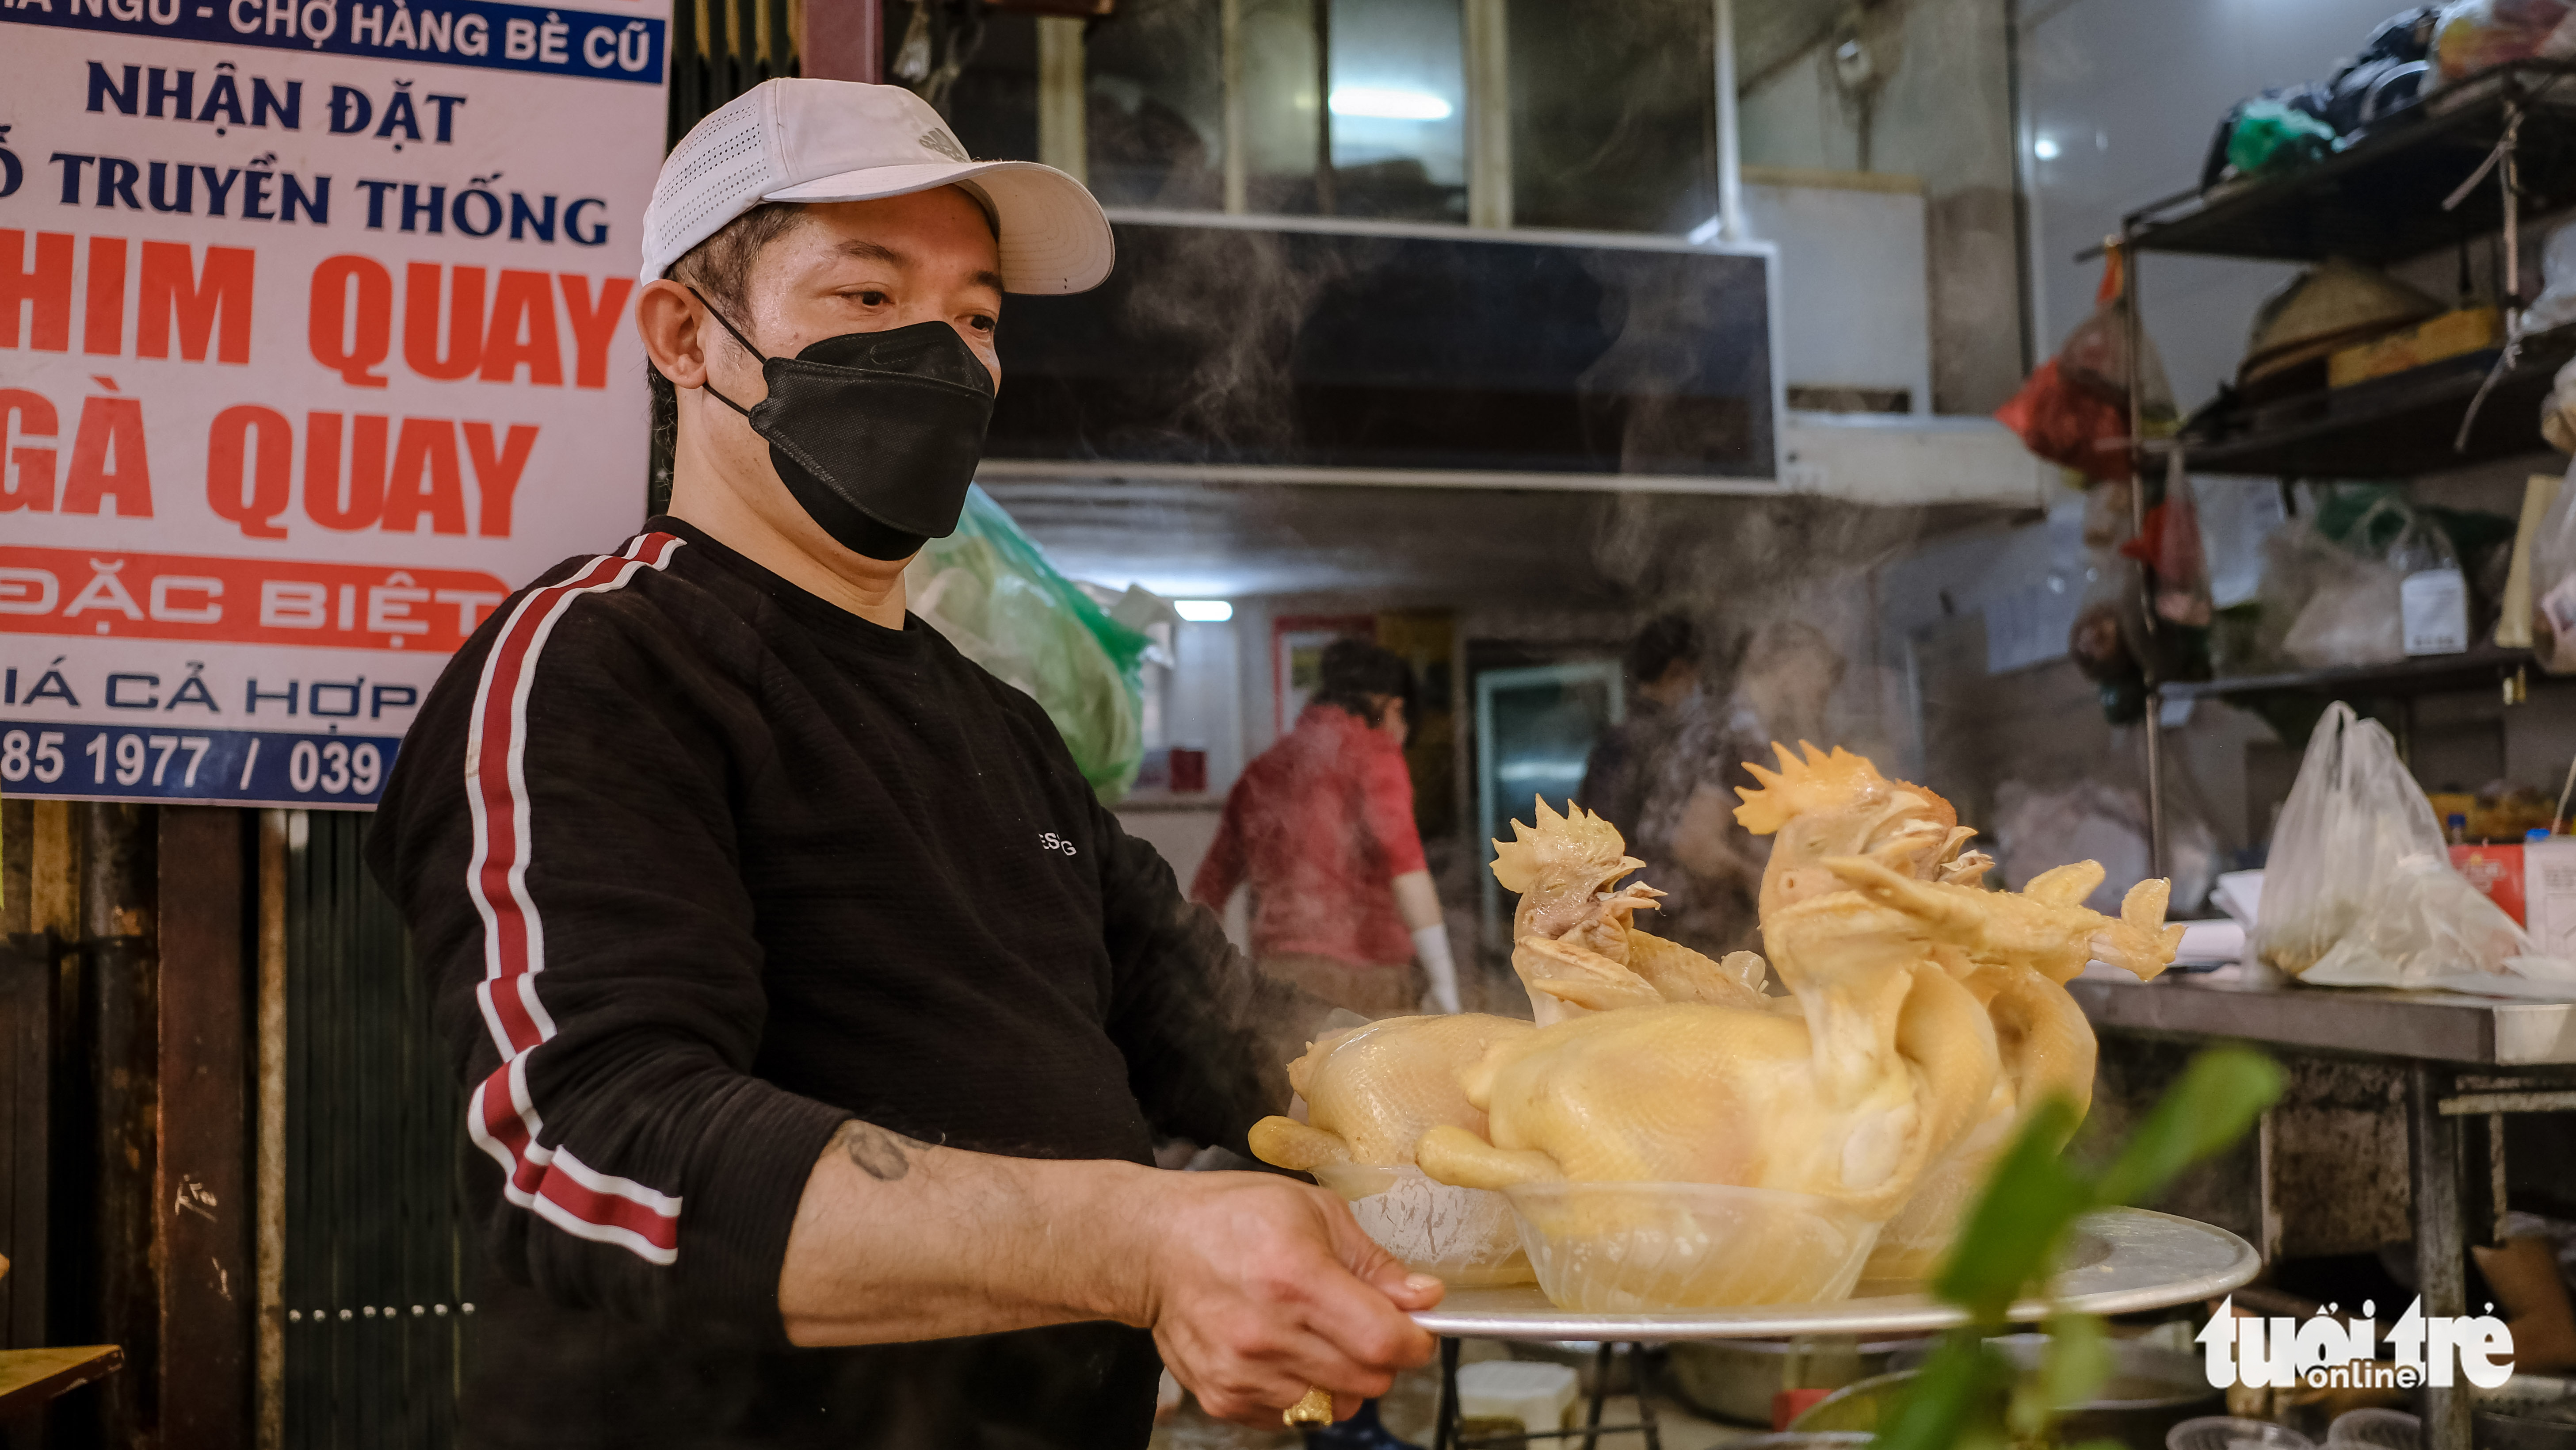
[700,867]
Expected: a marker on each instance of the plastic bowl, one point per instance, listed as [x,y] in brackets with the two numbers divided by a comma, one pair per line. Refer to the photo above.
[2223,1432]
[1614,1248]
[2376,1429]
[1466,1236]
[1913,1243]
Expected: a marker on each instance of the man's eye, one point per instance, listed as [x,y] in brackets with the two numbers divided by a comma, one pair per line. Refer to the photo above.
[872,299]
[983,324]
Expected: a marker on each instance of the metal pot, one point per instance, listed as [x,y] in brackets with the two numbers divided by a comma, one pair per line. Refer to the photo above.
[2518,1432]
[2527,1412]
[1734,1379]
[2151,1390]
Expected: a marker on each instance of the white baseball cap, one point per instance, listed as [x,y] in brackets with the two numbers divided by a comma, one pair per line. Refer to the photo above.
[817,140]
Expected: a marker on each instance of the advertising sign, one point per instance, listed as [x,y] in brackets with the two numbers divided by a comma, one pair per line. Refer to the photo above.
[313,346]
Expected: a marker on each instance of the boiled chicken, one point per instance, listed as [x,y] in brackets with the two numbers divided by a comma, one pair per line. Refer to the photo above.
[2013,951]
[1890,1062]
[1841,825]
[1372,1091]
[1925,1018]
[1575,940]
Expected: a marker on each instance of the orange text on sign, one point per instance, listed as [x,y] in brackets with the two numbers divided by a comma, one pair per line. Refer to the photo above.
[449,323]
[403,475]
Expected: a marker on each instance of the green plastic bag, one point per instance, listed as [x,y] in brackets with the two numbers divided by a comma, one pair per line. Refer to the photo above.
[2271,136]
[991,591]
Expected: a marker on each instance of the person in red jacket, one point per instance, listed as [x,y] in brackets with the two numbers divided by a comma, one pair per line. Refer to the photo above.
[1321,827]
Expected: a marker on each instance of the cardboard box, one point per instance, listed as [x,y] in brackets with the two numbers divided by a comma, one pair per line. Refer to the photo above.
[2549,895]
[2497,871]
[2429,341]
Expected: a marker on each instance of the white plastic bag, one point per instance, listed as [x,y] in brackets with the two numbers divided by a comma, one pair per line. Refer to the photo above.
[2553,581]
[2556,304]
[2359,890]
[2342,609]
[2558,410]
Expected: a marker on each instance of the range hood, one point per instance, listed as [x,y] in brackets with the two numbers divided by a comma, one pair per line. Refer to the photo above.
[1328,351]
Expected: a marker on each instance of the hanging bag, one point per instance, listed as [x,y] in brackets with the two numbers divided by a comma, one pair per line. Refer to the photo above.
[992,593]
[2073,410]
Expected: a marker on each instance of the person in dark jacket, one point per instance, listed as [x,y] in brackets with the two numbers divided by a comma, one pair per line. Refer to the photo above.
[817,1020]
[1663,670]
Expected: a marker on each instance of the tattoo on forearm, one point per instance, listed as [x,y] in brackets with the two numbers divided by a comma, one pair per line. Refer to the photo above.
[879,1154]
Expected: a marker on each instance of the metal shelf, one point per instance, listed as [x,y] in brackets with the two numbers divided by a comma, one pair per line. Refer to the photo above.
[2392,427]
[2381,199]
[2424,675]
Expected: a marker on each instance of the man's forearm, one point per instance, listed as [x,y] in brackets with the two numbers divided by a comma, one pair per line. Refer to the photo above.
[899,1240]
[1256,1288]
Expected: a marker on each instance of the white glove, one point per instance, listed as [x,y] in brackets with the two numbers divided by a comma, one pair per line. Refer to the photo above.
[1431,949]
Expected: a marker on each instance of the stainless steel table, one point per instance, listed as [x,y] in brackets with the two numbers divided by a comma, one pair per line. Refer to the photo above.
[2423,1026]
[2463,1056]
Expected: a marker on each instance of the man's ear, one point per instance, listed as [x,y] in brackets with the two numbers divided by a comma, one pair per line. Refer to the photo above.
[671,325]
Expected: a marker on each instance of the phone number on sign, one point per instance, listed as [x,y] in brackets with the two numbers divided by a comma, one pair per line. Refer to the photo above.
[233,766]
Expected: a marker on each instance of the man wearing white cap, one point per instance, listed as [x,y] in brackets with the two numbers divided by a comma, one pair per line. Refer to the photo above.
[816,1018]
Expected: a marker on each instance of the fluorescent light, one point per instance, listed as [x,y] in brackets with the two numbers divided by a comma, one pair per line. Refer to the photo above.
[1204,611]
[2044,149]
[1380,104]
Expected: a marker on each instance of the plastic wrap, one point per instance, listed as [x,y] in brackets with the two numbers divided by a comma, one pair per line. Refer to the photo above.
[1466,1236]
[2473,35]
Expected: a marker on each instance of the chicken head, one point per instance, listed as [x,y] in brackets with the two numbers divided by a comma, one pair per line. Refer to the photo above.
[1822,805]
[1575,942]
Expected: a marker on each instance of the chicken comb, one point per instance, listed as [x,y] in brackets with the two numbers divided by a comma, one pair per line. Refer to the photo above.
[1575,843]
[1817,781]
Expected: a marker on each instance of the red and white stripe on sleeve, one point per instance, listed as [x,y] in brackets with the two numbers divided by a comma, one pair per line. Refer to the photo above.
[503,1117]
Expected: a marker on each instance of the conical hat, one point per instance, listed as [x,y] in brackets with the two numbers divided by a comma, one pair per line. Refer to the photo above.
[2333,305]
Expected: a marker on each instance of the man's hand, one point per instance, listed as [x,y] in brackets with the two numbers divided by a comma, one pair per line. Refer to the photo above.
[1258,1287]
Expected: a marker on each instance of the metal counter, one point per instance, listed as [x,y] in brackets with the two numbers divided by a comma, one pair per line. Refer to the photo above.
[2421,1026]
[2511,1056]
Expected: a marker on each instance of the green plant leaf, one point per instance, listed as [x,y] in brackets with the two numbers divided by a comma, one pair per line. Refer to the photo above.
[1956,1400]
[2219,1095]
[2076,1364]
[2011,1235]
[1967,1396]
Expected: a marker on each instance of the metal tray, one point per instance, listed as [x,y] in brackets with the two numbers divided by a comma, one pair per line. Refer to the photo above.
[2123,1260]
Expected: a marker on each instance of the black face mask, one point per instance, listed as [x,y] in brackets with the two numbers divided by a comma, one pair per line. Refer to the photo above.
[877,434]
